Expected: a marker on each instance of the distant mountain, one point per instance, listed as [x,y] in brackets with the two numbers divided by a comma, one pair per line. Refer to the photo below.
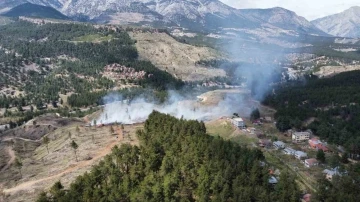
[284,19]
[196,15]
[344,24]
[34,10]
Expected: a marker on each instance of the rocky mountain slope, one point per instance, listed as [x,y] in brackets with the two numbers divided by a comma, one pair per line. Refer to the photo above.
[198,15]
[282,18]
[344,24]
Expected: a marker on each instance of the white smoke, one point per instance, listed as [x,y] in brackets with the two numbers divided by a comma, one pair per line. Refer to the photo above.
[138,110]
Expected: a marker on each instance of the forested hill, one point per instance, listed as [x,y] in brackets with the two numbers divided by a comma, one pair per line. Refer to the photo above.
[33,10]
[41,61]
[177,161]
[333,104]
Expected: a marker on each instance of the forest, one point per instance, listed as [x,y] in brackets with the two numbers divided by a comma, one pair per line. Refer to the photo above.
[177,161]
[332,103]
[66,64]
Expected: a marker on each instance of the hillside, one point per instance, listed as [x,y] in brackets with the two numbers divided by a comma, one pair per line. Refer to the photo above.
[177,58]
[344,24]
[33,10]
[45,163]
[177,161]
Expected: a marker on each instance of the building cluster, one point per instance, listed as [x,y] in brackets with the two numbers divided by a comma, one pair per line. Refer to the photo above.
[297,154]
[120,72]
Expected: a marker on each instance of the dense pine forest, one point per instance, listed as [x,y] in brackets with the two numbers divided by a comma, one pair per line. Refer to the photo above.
[332,103]
[177,161]
[68,58]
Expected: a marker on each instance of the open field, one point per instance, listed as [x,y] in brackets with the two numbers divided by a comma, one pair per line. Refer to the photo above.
[176,58]
[42,167]
[328,71]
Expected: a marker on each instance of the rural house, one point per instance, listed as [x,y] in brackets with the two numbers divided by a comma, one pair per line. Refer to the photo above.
[317,144]
[279,145]
[300,155]
[300,136]
[289,151]
[238,122]
[311,162]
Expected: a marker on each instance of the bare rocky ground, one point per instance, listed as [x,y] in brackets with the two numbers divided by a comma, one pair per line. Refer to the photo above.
[42,167]
[176,58]
[328,71]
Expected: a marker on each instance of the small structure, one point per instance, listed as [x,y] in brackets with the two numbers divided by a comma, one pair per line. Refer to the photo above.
[238,122]
[317,144]
[265,143]
[306,198]
[289,151]
[273,180]
[300,155]
[332,172]
[300,136]
[279,145]
[311,162]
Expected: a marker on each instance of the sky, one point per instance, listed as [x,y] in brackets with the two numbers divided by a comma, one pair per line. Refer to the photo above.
[310,9]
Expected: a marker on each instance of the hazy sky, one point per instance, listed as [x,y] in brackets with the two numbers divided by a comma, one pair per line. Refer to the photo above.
[310,9]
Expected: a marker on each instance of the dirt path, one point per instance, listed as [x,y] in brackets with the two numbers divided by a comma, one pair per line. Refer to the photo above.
[12,158]
[27,185]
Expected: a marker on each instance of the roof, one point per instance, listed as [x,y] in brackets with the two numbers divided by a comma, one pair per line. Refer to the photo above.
[301,133]
[300,153]
[273,180]
[311,161]
[290,150]
[238,119]
[322,147]
[279,143]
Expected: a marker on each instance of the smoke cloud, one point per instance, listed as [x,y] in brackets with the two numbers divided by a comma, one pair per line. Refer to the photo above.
[136,111]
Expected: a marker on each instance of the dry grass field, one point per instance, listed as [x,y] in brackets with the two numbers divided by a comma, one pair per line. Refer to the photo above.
[174,57]
[42,167]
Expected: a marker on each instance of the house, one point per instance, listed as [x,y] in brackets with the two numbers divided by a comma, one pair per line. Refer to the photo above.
[300,136]
[265,143]
[300,155]
[311,162]
[273,180]
[279,145]
[317,144]
[289,151]
[238,122]
[332,172]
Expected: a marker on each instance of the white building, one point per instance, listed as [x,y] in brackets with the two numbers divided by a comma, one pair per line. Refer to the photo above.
[300,136]
[311,162]
[300,155]
[238,122]
[279,145]
[289,151]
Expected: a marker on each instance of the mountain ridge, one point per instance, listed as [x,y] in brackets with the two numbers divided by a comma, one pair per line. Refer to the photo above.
[344,24]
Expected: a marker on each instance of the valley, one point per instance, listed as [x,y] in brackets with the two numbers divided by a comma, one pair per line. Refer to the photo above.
[190,100]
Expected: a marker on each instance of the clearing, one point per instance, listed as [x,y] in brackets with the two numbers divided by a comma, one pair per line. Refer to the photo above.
[176,58]
[328,71]
[41,168]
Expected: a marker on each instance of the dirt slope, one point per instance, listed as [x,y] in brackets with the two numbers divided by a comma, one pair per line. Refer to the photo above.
[177,58]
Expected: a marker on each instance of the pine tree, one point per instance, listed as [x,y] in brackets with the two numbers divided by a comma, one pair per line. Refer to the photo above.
[46,141]
[75,146]
[320,156]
